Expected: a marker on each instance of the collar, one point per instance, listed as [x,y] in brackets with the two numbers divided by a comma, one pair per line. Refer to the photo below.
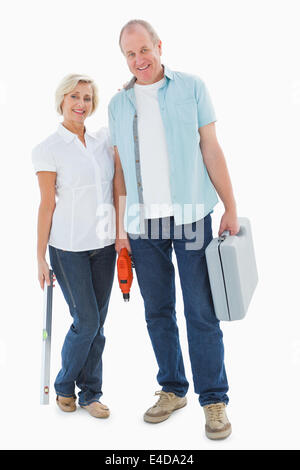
[167,73]
[68,136]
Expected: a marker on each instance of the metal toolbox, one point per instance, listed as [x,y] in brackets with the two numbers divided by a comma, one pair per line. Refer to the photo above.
[232,272]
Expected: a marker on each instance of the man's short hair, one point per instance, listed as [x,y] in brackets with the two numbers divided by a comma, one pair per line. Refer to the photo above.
[153,34]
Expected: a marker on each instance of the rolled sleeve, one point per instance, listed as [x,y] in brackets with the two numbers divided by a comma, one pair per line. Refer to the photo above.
[205,109]
[109,145]
[42,159]
[104,136]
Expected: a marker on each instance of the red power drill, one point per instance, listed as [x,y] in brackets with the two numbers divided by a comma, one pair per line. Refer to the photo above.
[125,276]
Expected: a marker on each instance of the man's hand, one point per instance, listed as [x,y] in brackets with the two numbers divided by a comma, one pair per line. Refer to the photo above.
[229,222]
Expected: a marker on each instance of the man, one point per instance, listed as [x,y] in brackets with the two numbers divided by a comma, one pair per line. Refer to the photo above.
[156,123]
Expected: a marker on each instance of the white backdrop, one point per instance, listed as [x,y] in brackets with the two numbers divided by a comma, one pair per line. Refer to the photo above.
[247,52]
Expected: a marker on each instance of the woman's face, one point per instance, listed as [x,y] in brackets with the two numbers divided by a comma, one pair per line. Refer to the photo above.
[78,104]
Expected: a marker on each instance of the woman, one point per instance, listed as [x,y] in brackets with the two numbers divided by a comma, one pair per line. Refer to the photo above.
[77,167]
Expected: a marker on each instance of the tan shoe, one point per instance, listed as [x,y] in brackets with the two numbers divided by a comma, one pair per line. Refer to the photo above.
[164,407]
[67,404]
[97,410]
[217,424]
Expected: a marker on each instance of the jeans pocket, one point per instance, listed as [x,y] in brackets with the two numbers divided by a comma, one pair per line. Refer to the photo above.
[94,252]
[67,284]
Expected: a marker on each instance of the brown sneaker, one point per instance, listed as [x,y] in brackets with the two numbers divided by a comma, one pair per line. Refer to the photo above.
[66,404]
[97,409]
[164,407]
[217,424]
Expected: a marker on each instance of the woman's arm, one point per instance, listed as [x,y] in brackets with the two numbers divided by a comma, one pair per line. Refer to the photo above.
[47,181]
[120,203]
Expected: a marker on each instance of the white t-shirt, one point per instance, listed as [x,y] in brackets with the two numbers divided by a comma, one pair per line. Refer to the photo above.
[83,218]
[154,159]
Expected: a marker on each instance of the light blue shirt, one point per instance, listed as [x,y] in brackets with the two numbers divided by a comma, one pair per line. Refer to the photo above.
[185,106]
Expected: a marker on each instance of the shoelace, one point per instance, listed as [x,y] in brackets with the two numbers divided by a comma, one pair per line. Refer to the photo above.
[164,398]
[215,411]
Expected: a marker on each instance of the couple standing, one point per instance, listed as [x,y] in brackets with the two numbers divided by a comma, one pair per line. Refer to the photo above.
[162,184]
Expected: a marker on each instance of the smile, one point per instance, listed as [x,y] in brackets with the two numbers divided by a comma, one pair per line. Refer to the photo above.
[78,111]
[143,68]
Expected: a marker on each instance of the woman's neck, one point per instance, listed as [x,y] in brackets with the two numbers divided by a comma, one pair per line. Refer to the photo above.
[76,128]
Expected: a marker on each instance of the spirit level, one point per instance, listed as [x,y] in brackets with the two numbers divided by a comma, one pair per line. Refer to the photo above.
[46,345]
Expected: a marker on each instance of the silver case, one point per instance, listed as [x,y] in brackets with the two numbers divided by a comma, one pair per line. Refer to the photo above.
[232,272]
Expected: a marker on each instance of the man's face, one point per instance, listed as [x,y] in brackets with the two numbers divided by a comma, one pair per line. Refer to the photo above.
[143,57]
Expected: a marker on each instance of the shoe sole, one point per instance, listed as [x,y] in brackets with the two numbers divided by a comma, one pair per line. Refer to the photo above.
[160,419]
[218,435]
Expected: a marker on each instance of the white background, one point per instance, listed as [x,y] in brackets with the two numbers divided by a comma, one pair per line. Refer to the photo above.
[247,52]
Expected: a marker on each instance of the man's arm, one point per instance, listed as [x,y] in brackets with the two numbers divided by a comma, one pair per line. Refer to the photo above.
[119,190]
[215,163]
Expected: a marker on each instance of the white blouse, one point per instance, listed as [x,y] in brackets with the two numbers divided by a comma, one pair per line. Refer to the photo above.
[84,217]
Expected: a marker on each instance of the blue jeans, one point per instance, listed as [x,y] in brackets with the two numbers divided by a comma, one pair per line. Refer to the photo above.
[152,256]
[86,279]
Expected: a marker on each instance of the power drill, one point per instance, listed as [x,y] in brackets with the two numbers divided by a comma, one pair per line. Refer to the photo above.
[125,276]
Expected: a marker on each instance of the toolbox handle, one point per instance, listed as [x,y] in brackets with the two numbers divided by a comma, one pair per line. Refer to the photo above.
[224,234]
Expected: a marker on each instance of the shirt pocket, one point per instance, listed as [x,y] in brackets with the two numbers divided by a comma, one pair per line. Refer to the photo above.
[186,111]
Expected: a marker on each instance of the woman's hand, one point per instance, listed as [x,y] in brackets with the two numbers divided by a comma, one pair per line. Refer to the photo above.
[122,243]
[43,273]
[124,86]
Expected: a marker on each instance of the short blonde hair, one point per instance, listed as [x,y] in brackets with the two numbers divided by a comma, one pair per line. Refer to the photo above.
[68,83]
[132,23]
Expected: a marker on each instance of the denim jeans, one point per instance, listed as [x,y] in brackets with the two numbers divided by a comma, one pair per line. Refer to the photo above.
[155,273]
[86,279]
